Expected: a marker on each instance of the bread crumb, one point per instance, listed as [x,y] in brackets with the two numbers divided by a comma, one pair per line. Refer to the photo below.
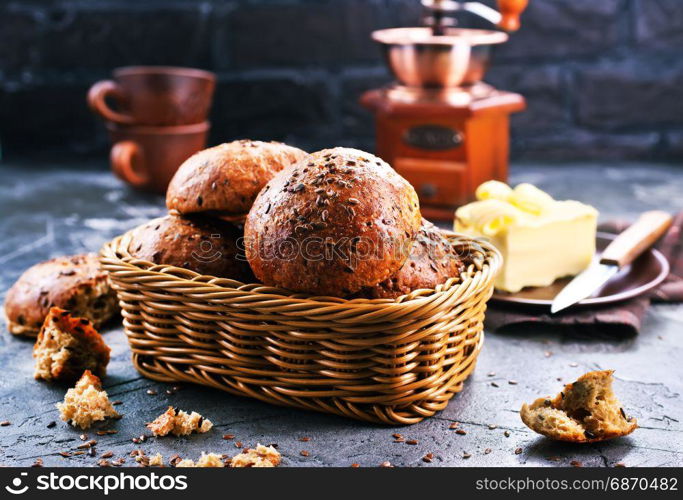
[206,460]
[179,423]
[261,456]
[86,403]
[67,346]
[156,460]
[585,411]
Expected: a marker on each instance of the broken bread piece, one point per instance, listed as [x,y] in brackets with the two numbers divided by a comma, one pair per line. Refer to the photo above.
[586,411]
[206,460]
[67,346]
[86,403]
[261,456]
[179,423]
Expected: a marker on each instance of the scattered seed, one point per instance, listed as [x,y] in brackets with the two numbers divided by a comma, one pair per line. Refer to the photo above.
[412,442]
[620,464]
[397,435]
[454,425]
[117,402]
[487,451]
[228,436]
[106,432]
[38,463]
[491,374]
[554,458]
[518,451]
[506,434]
[81,452]
[547,354]
[512,382]
[103,463]
[428,458]
[355,465]
[493,426]
[304,453]
[65,454]
[462,432]
[399,440]
[575,463]
[108,454]
[152,392]
[494,384]
[466,455]
[238,444]
[5,423]
[573,365]
[386,464]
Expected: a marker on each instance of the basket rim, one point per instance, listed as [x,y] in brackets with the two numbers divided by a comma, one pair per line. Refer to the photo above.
[114,253]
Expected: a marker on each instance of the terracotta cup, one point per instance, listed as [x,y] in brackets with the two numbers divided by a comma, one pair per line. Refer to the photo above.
[154,95]
[147,157]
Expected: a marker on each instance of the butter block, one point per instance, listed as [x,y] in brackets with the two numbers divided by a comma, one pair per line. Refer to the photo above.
[541,239]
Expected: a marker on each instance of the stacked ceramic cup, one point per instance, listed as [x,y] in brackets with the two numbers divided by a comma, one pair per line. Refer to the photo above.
[156,117]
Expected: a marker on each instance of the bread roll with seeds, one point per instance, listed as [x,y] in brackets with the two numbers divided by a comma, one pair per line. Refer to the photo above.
[336,222]
[204,245]
[586,411]
[67,346]
[432,261]
[75,283]
[225,179]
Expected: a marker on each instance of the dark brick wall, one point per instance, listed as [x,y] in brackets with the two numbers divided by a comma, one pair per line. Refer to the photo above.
[603,78]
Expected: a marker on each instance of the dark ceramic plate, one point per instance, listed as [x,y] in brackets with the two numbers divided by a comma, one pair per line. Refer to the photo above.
[645,273]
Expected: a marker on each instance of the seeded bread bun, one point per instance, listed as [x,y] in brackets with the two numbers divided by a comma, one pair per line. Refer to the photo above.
[585,411]
[201,244]
[67,346]
[226,179]
[432,261]
[75,283]
[340,220]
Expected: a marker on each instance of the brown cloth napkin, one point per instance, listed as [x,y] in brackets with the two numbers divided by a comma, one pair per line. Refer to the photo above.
[621,319]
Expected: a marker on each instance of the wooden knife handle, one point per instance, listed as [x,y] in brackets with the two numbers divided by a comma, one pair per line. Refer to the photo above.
[640,236]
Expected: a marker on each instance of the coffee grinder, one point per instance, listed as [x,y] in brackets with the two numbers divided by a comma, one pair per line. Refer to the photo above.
[439,125]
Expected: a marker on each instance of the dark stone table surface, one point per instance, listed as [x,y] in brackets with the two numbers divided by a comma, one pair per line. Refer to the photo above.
[50,210]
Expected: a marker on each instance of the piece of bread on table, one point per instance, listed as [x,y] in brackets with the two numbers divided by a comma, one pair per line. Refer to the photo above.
[201,244]
[86,403]
[432,261]
[75,283]
[261,456]
[225,179]
[335,222]
[67,346]
[179,423]
[586,411]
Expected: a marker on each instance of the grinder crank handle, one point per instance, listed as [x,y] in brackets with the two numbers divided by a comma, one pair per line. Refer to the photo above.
[510,10]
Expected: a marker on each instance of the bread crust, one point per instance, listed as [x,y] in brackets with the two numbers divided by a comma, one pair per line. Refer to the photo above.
[201,244]
[75,283]
[67,346]
[585,411]
[226,179]
[335,222]
[432,261]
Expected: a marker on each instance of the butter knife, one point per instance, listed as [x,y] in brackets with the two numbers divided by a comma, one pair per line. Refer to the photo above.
[623,250]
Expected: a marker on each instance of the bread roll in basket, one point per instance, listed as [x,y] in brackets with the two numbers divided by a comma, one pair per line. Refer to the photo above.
[390,361]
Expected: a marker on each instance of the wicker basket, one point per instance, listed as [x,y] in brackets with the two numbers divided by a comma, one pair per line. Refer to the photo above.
[386,361]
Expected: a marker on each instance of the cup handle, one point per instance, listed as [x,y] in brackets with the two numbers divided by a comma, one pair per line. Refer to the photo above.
[97,100]
[127,161]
